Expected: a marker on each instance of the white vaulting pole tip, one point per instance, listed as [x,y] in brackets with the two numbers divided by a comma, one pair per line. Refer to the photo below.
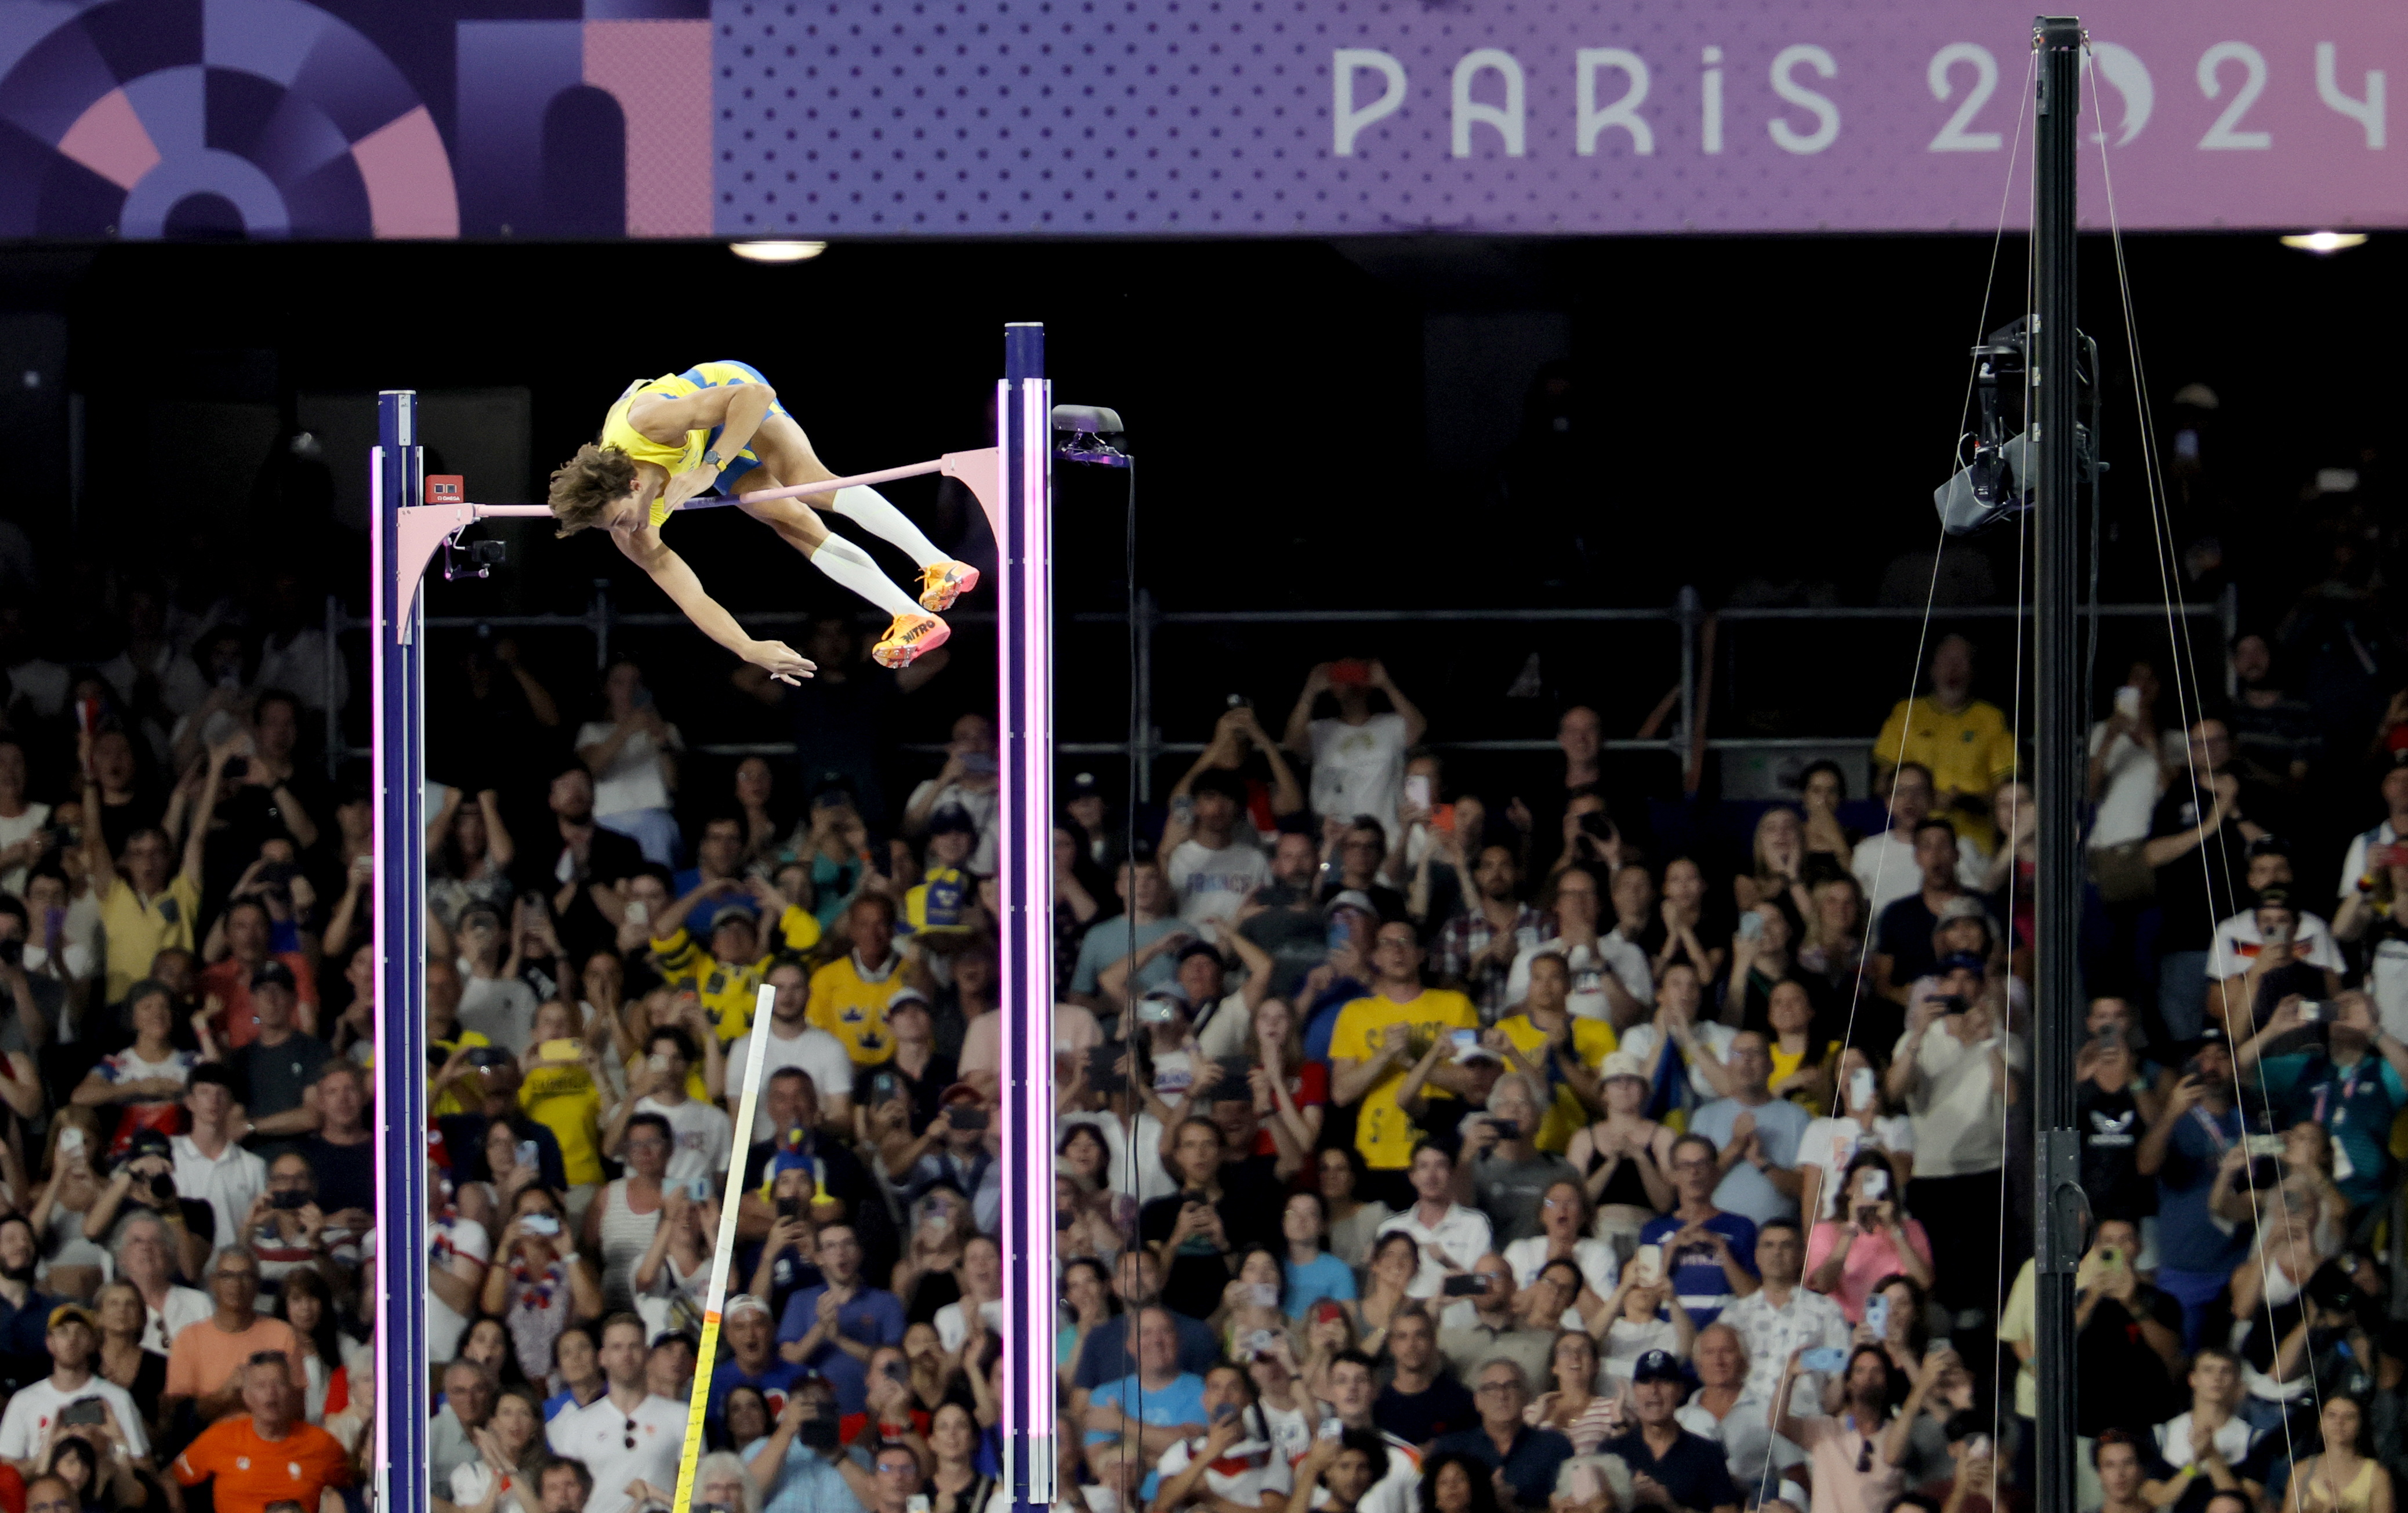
[777,252]
[2325,241]
[715,1299]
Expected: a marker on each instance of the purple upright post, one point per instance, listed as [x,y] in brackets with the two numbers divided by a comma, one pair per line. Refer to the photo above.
[396,757]
[1025,687]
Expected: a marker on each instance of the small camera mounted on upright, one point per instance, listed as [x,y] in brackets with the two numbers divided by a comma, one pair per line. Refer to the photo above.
[1081,431]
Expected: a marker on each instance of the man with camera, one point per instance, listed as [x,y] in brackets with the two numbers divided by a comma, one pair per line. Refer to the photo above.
[2183,1150]
[1956,1069]
[71,1400]
[798,1464]
[1484,1324]
[2281,966]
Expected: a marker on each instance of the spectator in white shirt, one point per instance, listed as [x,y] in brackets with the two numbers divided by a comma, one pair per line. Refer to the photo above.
[701,1133]
[631,756]
[1358,758]
[1609,979]
[2127,763]
[1452,1237]
[969,780]
[1212,868]
[1885,863]
[792,1041]
[626,1435]
[210,1167]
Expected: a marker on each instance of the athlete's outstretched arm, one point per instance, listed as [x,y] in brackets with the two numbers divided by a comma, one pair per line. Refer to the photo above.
[646,550]
[736,408]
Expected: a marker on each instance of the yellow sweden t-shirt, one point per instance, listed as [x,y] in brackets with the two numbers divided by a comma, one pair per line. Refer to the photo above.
[138,928]
[561,1097]
[1593,1040]
[1970,751]
[1382,1132]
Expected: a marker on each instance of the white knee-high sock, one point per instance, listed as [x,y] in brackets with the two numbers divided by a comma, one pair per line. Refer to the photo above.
[888,524]
[852,567]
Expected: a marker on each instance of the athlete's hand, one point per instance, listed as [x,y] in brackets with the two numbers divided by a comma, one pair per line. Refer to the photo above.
[780,662]
[692,483]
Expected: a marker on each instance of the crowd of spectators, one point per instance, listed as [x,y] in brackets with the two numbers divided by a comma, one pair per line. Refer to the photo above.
[1424,1145]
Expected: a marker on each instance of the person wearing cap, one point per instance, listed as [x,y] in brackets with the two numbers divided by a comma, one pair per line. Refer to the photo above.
[228,985]
[942,901]
[850,995]
[211,1165]
[959,1149]
[1624,1158]
[2278,967]
[1904,950]
[1209,853]
[1471,1072]
[726,978]
[1954,1071]
[1372,1046]
[2183,1150]
[26,1428]
[1670,1468]
[752,1359]
[275,1075]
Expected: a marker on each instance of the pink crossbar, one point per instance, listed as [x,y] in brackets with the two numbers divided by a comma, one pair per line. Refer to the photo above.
[422,527]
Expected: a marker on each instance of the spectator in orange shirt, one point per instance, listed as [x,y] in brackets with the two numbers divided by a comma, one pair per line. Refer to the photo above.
[267,1455]
[210,1361]
[225,985]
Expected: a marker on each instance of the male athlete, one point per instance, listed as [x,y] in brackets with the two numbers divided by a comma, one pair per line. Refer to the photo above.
[678,436]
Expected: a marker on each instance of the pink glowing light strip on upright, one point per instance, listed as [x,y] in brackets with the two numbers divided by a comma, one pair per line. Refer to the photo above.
[378,650]
[1025,684]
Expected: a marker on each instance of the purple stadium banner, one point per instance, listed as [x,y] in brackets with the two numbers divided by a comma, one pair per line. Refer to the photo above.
[686,117]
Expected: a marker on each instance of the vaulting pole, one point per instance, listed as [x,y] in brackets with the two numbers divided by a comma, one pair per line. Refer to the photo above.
[2061,1215]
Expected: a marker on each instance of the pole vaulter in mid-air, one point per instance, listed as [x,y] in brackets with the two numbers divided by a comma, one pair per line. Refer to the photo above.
[669,440]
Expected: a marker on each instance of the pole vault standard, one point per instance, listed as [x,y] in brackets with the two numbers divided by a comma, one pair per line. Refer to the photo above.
[1013,482]
[2060,1213]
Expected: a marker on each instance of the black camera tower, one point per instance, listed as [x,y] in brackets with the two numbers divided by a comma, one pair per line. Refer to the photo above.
[2061,1217]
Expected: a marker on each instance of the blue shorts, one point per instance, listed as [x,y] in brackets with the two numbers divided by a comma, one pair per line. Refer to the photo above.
[719,375]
